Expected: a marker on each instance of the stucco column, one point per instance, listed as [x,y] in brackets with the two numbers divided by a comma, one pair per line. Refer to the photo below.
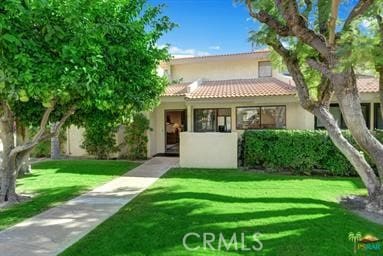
[233,119]
[189,117]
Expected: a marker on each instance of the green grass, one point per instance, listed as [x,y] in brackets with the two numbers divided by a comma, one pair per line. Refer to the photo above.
[295,215]
[54,182]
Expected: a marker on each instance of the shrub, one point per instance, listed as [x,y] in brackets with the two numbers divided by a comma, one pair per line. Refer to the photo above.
[136,137]
[99,139]
[43,149]
[296,150]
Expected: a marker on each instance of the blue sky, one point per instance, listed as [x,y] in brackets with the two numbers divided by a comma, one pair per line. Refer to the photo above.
[207,26]
[212,26]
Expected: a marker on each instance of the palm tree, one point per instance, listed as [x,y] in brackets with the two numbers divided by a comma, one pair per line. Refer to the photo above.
[354,238]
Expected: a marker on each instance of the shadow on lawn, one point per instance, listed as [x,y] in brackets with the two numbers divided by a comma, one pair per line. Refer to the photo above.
[185,173]
[92,167]
[39,202]
[315,230]
[156,222]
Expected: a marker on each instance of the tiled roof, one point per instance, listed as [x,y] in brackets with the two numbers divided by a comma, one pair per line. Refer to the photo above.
[176,89]
[367,84]
[252,87]
[242,88]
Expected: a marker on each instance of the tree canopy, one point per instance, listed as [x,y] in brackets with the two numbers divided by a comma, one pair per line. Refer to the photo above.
[87,54]
[325,44]
[77,56]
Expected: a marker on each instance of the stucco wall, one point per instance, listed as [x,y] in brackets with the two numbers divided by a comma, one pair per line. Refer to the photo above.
[217,70]
[208,150]
[75,138]
[74,141]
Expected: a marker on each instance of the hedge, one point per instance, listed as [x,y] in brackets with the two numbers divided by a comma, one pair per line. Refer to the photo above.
[300,151]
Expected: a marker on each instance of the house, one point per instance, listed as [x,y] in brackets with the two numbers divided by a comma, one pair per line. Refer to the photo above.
[214,99]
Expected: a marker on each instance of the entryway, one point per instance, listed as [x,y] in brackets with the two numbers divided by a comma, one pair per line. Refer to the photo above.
[175,123]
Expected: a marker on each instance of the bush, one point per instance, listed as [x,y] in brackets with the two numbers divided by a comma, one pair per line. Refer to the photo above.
[99,139]
[136,137]
[300,151]
[42,149]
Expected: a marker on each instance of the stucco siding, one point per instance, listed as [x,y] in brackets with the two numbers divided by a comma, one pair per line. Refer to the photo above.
[208,150]
[217,70]
[75,138]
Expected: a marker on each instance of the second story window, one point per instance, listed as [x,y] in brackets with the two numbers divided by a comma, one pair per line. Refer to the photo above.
[264,69]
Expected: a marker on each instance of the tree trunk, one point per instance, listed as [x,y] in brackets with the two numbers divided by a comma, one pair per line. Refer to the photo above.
[349,102]
[55,143]
[13,155]
[9,172]
[356,158]
[21,138]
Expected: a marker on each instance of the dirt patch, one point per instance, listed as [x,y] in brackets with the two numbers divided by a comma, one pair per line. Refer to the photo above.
[359,206]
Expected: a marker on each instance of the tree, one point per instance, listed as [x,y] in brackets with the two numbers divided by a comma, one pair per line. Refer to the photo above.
[317,54]
[58,58]
[22,134]
[55,143]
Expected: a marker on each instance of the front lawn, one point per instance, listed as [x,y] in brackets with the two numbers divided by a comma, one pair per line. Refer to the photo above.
[53,182]
[295,216]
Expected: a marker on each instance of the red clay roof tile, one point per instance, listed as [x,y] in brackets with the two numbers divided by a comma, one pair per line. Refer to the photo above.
[242,88]
[176,89]
[367,84]
[252,87]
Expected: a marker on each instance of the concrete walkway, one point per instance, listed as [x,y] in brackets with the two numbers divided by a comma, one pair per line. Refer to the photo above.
[54,230]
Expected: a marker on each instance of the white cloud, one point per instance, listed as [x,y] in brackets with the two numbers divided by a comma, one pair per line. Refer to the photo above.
[179,51]
[215,47]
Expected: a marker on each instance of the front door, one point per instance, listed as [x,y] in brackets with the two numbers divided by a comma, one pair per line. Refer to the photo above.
[175,123]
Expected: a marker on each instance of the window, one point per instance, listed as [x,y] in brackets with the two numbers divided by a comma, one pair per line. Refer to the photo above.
[267,117]
[224,119]
[378,123]
[335,111]
[212,120]
[264,69]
